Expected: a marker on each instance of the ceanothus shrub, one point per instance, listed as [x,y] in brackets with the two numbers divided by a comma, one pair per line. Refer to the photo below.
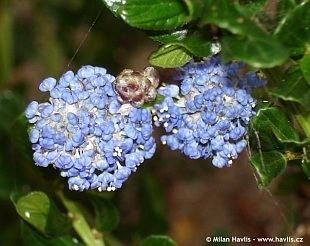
[95,130]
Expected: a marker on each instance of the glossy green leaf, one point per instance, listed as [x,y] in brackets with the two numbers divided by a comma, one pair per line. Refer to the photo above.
[304,65]
[293,87]
[37,209]
[173,37]
[257,51]
[107,217]
[158,240]
[275,119]
[14,196]
[151,15]
[197,43]
[170,56]
[268,165]
[33,238]
[113,6]
[262,137]
[34,208]
[294,30]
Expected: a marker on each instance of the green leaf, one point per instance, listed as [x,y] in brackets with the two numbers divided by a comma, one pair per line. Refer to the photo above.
[33,238]
[198,42]
[107,217]
[268,165]
[151,15]
[257,51]
[261,135]
[303,119]
[294,29]
[80,224]
[170,56]
[150,105]
[57,224]
[158,240]
[293,87]
[34,208]
[37,209]
[304,65]
[173,37]
[251,44]
[113,6]
[275,119]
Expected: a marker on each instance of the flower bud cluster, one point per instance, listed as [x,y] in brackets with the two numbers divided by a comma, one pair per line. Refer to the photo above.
[206,117]
[86,133]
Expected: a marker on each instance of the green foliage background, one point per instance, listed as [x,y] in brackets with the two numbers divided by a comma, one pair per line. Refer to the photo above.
[40,38]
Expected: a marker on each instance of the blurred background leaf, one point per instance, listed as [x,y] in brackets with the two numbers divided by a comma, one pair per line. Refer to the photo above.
[294,28]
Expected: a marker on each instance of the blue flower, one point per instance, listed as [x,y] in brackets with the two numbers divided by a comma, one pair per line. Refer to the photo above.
[208,115]
[86,133]
[47,84]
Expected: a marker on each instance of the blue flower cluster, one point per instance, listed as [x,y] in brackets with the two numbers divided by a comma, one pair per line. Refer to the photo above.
[206,117]
[86,133]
